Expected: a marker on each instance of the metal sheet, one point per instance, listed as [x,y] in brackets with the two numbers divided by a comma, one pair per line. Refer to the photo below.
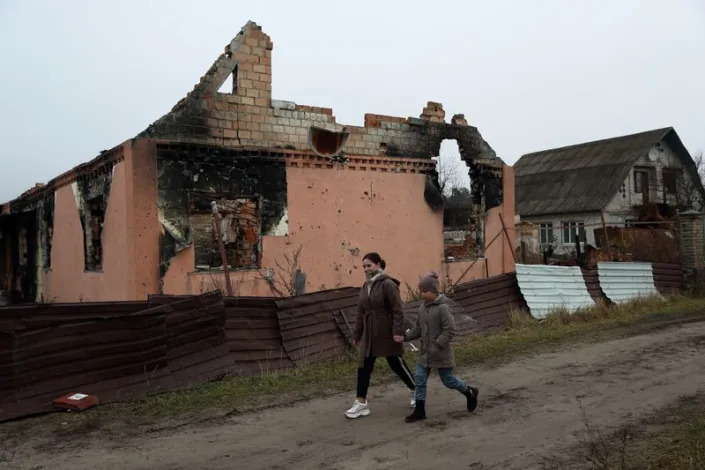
[113,351]
[622,282]
[592,281]
[490,301]
[548,288]
[307,324]
[668,278]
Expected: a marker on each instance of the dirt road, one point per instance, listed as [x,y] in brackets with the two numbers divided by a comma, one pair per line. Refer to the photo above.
[528,414]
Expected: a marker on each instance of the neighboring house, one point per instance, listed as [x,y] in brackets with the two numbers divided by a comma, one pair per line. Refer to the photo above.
[302,198]
[568,191]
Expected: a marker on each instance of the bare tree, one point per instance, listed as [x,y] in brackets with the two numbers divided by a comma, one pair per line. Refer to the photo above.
[689,191]
[287,280]
[450,174]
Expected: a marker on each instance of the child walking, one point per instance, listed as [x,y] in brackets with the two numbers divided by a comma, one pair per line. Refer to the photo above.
[436,328]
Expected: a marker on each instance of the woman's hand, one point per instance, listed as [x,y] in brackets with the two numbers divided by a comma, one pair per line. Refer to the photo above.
[398,339]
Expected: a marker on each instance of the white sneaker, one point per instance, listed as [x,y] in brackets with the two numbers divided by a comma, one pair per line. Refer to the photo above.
[412,403]
[358,409]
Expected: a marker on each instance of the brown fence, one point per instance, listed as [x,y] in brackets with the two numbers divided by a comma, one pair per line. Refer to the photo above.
[252,330]
[108,350]
[668,277]
[45,357]
[592,282]
[119,350]
[307,324]
[491,301]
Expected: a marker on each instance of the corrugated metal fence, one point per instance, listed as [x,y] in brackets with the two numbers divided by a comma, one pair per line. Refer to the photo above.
[547,288]
[114,351]
[121,349]
[622,282]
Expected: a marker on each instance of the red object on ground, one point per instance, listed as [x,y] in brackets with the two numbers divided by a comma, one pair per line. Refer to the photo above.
[76,401]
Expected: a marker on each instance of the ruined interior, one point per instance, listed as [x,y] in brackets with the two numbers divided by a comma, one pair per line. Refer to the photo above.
[250,191]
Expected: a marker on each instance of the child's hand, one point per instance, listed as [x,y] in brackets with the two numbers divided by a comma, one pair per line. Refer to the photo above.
[398,339]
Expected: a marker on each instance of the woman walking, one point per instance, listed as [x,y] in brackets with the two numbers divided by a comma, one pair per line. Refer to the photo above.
[379,331]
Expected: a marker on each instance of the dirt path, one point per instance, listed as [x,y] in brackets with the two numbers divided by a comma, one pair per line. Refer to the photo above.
[528,414]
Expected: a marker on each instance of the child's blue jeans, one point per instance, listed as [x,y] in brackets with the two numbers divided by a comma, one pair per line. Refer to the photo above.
[446,375]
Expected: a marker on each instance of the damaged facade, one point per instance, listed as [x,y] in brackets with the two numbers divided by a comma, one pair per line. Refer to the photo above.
[286,179]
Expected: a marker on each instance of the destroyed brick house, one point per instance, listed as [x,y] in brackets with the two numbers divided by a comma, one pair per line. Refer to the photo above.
[301,197]
[569,194]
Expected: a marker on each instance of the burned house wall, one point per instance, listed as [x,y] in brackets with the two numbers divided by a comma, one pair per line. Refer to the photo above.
[337,213]
[24,247]
[129,235]
[359,189]
[249,117]
[68,280]
[246,117]
[18,259]
[250,191]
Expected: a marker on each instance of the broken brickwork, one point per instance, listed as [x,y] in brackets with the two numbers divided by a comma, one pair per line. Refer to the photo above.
[247,117]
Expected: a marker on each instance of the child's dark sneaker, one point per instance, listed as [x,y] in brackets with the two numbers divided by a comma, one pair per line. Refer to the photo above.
[471,396]
[419,412]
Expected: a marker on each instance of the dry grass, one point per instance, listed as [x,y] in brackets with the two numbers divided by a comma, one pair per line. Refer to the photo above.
[677,444]
[680,446]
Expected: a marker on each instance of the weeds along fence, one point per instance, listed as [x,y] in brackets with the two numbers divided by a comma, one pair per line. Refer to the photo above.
[122,350]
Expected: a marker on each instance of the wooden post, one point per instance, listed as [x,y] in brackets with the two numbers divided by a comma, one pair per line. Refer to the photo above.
[221,247]
[506,234]
[607,240]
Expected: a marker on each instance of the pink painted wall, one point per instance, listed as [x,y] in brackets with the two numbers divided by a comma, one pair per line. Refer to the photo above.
[337,215]
[130,237]
[143,217]
[66,281]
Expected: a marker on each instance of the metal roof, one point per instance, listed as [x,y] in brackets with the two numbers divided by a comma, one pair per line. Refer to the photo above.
[584,177]
[622,282]
[549,288]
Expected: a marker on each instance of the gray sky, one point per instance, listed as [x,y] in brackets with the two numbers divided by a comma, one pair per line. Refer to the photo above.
[82,76]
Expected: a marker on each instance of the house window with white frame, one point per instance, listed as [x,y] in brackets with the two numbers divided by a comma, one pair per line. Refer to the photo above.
[546,233]
[571,230]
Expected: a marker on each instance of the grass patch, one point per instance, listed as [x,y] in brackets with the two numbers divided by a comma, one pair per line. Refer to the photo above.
[680,446]
[236,394]
[678,443]
[524,332]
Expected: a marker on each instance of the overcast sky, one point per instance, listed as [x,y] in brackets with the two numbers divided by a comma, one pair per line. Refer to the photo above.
[82,76]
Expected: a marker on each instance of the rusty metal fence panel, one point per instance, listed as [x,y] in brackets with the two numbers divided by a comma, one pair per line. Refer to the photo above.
[592,282]
[196,344]
[111,352]
[668,278]
[252,330]
[111,356]
[308,326]
[490,301]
